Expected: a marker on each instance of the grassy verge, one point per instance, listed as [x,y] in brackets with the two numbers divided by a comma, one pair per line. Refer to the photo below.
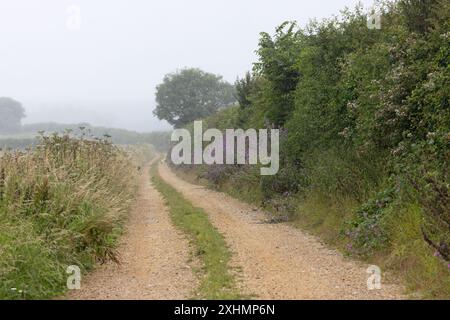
[61,204]
[405,256]
[217,282]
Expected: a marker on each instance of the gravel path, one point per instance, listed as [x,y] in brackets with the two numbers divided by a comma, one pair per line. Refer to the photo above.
[277,260]
[153,257]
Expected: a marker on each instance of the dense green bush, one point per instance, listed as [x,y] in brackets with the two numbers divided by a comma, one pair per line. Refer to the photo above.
[365,115]
[366,230]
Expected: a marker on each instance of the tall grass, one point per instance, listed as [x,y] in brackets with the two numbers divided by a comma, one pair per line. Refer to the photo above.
[61,204]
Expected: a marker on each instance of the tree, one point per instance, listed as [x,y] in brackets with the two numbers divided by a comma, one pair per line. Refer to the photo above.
[418,14]
[245,88]
[11,114]
[278,57]
[191,94]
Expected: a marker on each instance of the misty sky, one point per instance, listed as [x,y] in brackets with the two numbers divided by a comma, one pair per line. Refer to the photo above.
[105,73]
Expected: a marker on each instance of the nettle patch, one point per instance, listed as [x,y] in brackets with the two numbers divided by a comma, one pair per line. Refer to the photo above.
[365,231]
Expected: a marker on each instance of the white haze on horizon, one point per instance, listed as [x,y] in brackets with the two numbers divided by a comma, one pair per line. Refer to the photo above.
[130,114]
[106,72]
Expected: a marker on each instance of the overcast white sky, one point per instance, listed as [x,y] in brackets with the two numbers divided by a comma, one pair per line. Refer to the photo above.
[106,72]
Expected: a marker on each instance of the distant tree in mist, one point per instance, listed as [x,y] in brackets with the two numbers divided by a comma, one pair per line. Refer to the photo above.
[11,114]
[191,94]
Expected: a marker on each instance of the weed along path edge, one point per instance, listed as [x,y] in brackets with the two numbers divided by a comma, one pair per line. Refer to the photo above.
[153,257]
[279,261]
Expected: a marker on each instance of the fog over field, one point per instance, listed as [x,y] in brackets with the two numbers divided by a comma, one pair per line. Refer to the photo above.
[106,71]
[128,114]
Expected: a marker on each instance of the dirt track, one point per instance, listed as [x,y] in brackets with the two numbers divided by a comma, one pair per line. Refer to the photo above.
[153,256]
[277,260]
